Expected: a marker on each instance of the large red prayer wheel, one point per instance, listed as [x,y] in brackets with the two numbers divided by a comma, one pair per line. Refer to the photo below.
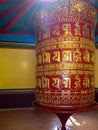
[65,54]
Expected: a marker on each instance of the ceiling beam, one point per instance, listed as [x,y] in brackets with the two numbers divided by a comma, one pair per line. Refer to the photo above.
[18,16]
[13,9]
[3,1]
[32,14]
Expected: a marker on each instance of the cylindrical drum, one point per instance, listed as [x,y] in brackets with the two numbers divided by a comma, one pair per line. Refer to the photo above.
[65,54]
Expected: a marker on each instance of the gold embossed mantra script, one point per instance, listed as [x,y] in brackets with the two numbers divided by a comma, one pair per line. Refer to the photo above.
[65,54]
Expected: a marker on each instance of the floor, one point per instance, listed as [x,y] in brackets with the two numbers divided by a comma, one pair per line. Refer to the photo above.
[32,119]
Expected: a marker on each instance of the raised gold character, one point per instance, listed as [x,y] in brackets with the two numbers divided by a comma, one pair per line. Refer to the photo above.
[66,82]
[77,56]
[86,56]
[78,82]
[86,82]
[46,57]
[67,56]
[56,83]
[39,59]
[39,85]
[45,82]
[56,56]
[56,30]
[77,29]
[67,29]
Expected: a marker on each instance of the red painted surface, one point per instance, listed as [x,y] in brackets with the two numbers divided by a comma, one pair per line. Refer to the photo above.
[65,54]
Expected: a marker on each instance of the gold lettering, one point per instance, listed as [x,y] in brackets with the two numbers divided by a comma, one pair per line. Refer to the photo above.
[66,82]
[67,29]
[67,56]
[56,83]
[78,82]
[38,82]
[45,82]
[56,56]
[46,57]
[39,59]
[77,29]
[86,82]
[86,56]
[77,56]
[56,30]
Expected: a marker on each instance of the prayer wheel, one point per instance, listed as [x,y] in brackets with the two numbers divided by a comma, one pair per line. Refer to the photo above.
[65,48]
